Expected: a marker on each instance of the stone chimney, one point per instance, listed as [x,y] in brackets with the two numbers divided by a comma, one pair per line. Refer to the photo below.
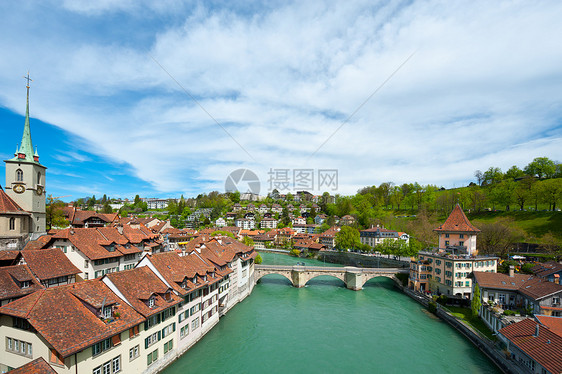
[511,271]
[536,335]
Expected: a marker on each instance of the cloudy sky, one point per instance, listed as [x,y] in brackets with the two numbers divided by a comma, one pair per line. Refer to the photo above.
[168,97]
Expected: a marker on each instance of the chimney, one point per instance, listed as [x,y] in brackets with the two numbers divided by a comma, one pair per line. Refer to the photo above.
[119,228]
[536,335]
[511,271]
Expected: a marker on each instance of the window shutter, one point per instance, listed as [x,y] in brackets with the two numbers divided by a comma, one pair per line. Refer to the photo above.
[145,325]
[116,339]
[146,343]
[136,329]
[174,326]
[159,335]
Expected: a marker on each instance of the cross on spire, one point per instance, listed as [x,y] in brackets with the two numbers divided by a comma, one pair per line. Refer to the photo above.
[28,79]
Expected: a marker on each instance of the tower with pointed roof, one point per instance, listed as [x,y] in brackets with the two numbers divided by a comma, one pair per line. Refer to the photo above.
[25,177]
[457,231]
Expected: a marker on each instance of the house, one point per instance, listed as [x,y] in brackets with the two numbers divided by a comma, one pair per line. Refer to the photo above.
[534,345]
[347,220]
[328,237]
[155,203]
[50,266]
[88,218]
[448,269]
[231,215]
[250,207]
[276,208]
[458,232]
[298,221]
[376,235]
[237,207]
[320,218]
[268,223]
[98,251]
[551,271]
[263,209]
[95,320]
[263,241]
[37,366]
[16,282]
[244,223]
[220,222]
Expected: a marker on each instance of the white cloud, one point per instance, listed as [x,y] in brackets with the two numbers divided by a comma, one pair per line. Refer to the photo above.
[481,90]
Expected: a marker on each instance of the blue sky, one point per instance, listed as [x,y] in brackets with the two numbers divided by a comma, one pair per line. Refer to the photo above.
[112,109]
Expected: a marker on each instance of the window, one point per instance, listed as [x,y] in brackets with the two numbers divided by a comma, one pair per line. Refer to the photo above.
[101,346]
[19,175]
[461,236]
[168,346]
[195,308]
[151,339]
[168,330]
[110,367]
[195,323]
[184,331]
[151,302]
[133,331]
[183,316]
[106,313]
[133,353]
[12,223]
[446,242]
[19,347]
[446,235]
[556,300]
[86,262]
[461,243]
[152,357]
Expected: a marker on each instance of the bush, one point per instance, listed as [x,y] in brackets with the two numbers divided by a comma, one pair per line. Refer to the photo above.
[295,252]
[432,307]
[258,260]
[443,299]
[509,313]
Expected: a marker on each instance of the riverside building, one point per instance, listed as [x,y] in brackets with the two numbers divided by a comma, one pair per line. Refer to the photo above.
[447,269]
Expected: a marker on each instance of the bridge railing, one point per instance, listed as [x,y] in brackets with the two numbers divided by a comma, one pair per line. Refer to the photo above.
[330,269]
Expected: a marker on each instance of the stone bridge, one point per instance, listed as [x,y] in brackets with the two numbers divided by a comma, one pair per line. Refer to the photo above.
[354,278]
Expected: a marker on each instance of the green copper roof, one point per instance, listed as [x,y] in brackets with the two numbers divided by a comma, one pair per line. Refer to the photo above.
[26,146]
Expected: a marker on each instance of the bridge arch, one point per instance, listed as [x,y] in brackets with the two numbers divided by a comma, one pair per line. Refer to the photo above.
[312,276]
[259,275]
[369,277]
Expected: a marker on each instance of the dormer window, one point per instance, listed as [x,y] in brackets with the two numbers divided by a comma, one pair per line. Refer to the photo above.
[106,312]
[194,279]
[151,302]
[25,284]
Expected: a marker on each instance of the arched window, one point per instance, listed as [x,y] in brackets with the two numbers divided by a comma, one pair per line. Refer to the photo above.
[38,177]
[12,223]
[19,175]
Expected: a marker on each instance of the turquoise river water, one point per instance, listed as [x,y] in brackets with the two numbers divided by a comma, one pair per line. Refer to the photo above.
[326,328]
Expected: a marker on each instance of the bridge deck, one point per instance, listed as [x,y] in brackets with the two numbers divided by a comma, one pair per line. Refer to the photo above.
[332,269]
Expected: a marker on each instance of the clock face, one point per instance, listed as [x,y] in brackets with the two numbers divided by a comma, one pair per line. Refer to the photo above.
[39,190]
[18,188]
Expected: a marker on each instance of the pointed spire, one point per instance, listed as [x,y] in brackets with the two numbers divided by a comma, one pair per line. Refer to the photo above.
[25,151]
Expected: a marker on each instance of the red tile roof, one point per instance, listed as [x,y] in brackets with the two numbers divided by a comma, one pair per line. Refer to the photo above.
[37,366]
[138,285]
[553,323]
[538,288]
[9,255]
[546,348]
[457,221]
[11,278]
[7,205]
[61,315]
[499,280]
[175,270]
[41,242]
[49,263]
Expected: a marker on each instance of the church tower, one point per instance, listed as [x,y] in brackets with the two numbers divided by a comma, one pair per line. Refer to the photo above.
[25,177]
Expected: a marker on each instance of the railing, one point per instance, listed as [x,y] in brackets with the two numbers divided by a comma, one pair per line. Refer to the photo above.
[331,269]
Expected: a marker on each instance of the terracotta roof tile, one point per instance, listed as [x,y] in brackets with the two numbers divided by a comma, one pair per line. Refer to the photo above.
[546,348]
[457,221]
[537,288]
[37,366]
[7,205]
[500,281]
[553,323]
[11,278]
[61,315]
[49,263]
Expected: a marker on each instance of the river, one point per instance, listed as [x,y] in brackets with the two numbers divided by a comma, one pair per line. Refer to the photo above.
[326,328]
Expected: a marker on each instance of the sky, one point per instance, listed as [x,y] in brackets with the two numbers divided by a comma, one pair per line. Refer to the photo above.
[163,98]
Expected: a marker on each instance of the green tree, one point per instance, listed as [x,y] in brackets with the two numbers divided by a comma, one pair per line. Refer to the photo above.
[106,208]
[137,200]
[258,260]
[541,167]
[476,302]
[248,241]
[347,238]
[492,175]
[514,172]
[552,192]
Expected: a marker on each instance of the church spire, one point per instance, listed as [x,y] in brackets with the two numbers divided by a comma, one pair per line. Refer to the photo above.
[25,151]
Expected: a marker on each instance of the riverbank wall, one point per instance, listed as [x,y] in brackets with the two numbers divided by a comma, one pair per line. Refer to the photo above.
[360,260]
[481,342]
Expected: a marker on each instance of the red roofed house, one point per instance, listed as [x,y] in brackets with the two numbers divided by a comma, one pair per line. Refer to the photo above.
[534,345]
[457,231]
[50,266]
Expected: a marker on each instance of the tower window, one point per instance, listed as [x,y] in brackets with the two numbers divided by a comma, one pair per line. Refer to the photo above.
[38,177]
[19,175]
[12,223]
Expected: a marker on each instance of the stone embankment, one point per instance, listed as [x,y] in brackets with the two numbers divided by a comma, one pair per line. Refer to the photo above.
[486,346]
